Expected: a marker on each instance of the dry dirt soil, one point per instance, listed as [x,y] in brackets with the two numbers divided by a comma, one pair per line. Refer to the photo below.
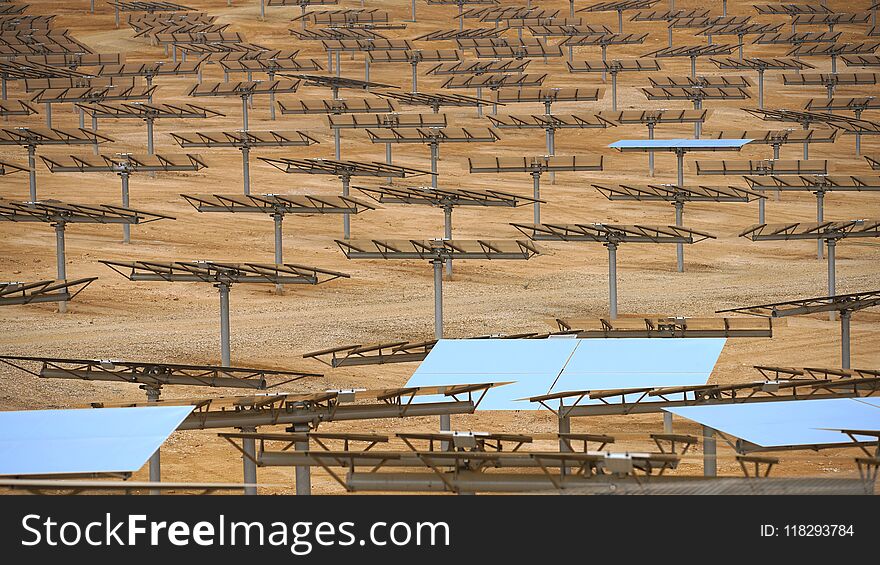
[116,318]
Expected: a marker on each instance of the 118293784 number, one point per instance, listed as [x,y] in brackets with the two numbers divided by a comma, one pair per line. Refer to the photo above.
[817,530]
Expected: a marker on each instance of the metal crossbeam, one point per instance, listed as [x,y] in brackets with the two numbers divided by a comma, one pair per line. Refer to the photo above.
[15,293]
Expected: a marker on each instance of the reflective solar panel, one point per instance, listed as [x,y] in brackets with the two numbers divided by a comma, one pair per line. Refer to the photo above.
[679,143]
[536,367]
[787,424]
[44,442]
[532,364]
[602,364]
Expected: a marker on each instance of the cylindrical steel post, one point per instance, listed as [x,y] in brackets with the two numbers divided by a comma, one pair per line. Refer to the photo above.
[651,153]
[447,234]
[346,218]
[32,173]
[612,279]
[844,338]
[271,101]
[536,181]
[224,324]
[564,427]
[820,216]
[434,150]
[669,34]
[832,283]
[60,262]
[303,472]
[710,461]
[279,247]
[82,117]
[761,202]
[460,17]
[415,76]
[667,422]
[248,459]
[49,115]
[438,298]
[246,168]
[619,21]
[149,136]
[445,423]
[262,9]
[693,67]
[367,70]
[679,247]
[413,11]
[479,106]
[614,91]
[604,58]
[761,89]
[155,464]
[679,156]
[571,8]
[338,69]
[126,228]
[698,125]
[244,113]
[337,143]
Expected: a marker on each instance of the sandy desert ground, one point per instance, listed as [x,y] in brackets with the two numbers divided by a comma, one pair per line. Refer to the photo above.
[116,318]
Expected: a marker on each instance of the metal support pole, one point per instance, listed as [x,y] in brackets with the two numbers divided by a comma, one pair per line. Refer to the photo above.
[367,69]
[272,100]
[613,91]
[413,11]
[604,58]
[761,210]
[858,115]
[49,115]
[3,93]
[679,247]
[149,136]
[564,427]
[612,278]
[536,178]
[460,17]
[438,298]
[651,153]
[844,338]
[833,67]
[346,218]
[820,217]
[619,21]
[279,247]
[337,142]
[338,65]
[698,125]
[244,113]
[126,228]
[156,457]
[667,422]
[571,8]
[669,34]
[806,126]
[445,423]
[693,67]
[709,39]
[224,324]
[262,9]
[447,234]
[679,156]
[249,447]
[832,283]
[724,8]
[82,117]
[761,89]
[95,128]
[710,462]
[415,76]
[388,160]
[434,151]
[303,472]
[32,172]
[60,263]
[246,168]
[740,46]
[479,106]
